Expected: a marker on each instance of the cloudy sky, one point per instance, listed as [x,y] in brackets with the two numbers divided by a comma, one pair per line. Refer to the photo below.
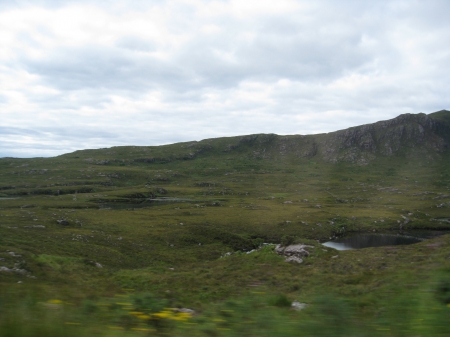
[90,74]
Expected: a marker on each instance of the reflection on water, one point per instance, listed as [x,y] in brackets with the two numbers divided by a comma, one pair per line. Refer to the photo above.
[358,241]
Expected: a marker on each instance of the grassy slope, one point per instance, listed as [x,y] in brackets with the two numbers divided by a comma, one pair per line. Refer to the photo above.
[238,192]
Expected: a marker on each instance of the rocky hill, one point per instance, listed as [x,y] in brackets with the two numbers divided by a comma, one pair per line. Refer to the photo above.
[409,135]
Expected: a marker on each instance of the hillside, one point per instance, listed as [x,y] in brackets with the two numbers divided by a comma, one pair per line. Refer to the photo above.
[160,219]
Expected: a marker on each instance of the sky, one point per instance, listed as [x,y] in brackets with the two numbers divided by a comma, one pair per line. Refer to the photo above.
[91,74]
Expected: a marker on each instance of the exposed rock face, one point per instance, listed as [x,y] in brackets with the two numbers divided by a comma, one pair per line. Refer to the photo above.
[364,143]
[293,253]
[425,135]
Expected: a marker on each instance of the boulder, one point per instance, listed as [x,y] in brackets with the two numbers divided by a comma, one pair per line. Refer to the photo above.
[293,253]
[294,259]
[296,305]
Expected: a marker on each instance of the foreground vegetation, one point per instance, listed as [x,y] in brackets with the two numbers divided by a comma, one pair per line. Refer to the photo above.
[116,241]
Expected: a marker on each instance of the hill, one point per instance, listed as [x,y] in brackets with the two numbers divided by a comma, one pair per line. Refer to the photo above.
[161,219]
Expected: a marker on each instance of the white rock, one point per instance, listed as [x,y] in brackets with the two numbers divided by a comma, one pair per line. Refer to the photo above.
[295,259]
[296,305]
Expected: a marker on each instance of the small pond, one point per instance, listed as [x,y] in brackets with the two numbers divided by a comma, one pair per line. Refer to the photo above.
[358,241]
[146,203]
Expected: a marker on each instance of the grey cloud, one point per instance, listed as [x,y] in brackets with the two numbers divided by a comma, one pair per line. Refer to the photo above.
[53,141]
[136,44]
[14,131]
[110,5]
[272,54]
[76,132]
[93,67]
[283,48]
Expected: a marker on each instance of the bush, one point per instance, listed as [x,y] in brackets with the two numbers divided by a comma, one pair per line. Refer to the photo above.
[443,290]
[280,301]
[287,240]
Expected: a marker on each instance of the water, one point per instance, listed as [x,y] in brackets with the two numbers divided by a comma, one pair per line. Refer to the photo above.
[359,241]
[147,203]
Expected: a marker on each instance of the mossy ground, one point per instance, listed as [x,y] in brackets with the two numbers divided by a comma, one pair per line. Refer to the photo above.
[224,202]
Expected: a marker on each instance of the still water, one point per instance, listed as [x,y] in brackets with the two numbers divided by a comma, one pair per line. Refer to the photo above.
[146,203]
[359,241]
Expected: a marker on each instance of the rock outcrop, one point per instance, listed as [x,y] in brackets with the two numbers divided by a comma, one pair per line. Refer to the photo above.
[293,253]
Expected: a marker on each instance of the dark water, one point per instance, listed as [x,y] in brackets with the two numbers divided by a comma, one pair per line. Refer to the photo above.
[359,241]
[147,203]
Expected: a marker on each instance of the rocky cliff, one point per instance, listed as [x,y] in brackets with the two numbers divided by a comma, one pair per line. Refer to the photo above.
[422,135]
[419,133]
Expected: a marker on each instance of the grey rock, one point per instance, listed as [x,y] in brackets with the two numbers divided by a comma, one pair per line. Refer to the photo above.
[297,250]
[296,305]
[295,259]
[186,310]
[20,271]
[63,222]
[293,253]
[5,269]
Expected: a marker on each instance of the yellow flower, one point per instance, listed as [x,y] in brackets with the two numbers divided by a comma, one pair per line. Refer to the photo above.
[181,316]
[163,314]
[55,301]
[136,313]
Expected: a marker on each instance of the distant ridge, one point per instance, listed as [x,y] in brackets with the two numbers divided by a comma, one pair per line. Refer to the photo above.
[411,135]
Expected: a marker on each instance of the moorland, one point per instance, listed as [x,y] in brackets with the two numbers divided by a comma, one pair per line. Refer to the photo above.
[180,239]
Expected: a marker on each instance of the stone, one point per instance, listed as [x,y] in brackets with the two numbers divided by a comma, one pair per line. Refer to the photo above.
[63,222]
[297,250]
[20,271]
[293,253]
[186,310]
[296,305]
[5,269]
[295,259]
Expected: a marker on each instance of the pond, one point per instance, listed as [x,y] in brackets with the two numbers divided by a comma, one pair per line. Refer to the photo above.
[358,241]
[146,203]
